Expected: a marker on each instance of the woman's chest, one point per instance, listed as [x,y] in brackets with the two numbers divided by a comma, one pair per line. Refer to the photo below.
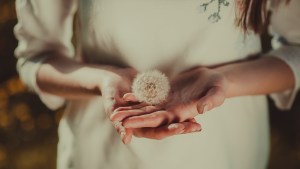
[161,33]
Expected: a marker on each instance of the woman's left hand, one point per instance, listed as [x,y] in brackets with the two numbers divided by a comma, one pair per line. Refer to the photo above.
[193,92]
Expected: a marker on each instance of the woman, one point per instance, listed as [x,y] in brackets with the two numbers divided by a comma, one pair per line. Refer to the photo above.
[116,40]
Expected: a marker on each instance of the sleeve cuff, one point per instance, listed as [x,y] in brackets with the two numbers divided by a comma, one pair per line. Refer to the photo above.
[27,69]
[291,56]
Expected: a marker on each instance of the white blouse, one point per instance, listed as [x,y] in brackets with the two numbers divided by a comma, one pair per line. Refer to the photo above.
[170,35]
[51,31]
[285,27]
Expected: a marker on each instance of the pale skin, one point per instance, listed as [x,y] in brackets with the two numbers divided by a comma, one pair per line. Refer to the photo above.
[213,85]
[204,89]
[67,78]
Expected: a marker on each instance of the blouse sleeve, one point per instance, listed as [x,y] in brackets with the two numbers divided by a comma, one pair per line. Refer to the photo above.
[285,28]
[43,28]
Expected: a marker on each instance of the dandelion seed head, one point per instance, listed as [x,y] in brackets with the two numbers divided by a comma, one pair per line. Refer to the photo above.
[151,87]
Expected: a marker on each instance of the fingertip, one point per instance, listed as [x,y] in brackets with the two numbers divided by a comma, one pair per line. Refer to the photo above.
[176,127]
[130,97]
[112,116]
[127,138]
[199,127]
[203,107]
[192,127]
[116,116]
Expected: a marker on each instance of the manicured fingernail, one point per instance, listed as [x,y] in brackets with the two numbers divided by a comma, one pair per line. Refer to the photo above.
[173,126]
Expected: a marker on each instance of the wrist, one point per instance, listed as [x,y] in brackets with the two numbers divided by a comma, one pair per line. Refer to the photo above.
[231,89]
[95,78]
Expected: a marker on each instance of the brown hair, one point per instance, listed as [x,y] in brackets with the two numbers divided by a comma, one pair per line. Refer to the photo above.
[254,13]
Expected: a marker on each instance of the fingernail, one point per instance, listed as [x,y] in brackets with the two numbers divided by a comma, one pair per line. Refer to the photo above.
[173,126]
[195,130]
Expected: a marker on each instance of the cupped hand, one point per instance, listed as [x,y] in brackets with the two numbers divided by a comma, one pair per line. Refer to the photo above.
[155,129]
[115,82]
[193,92]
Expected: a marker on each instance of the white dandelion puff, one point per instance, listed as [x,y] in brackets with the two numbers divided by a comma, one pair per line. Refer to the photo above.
[151,87]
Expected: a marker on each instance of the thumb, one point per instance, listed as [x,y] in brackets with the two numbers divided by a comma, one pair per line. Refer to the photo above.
[130,97]
[214,97]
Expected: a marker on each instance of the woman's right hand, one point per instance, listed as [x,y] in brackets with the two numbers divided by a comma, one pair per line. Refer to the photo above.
[115,82]
[69,79]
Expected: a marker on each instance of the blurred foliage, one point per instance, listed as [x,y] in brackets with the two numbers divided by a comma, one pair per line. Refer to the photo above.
[28,130]
[7,39]
[285,137]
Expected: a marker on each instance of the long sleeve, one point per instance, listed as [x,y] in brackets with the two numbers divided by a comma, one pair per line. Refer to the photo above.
[43,28]
[285,28]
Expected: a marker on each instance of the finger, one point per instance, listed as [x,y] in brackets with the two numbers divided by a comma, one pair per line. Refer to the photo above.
[192,120]
[130,97]
[214,98]
[125,134]
[191,127]
[119,127]
[128,136]
[120,114]
[136,106]
[154,119]
[160,132]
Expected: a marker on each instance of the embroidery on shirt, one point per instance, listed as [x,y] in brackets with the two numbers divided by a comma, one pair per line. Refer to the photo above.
[214,17]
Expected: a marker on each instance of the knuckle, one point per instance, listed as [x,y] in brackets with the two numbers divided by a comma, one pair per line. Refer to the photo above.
[172,117]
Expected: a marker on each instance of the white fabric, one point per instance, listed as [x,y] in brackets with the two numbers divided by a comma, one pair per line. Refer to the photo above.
[169,35]
[44,27]
[285,27]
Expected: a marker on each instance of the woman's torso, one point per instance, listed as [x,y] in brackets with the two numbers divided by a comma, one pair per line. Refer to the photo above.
[172,36]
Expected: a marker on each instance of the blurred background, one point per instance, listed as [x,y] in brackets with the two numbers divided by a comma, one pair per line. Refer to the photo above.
[28,130]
